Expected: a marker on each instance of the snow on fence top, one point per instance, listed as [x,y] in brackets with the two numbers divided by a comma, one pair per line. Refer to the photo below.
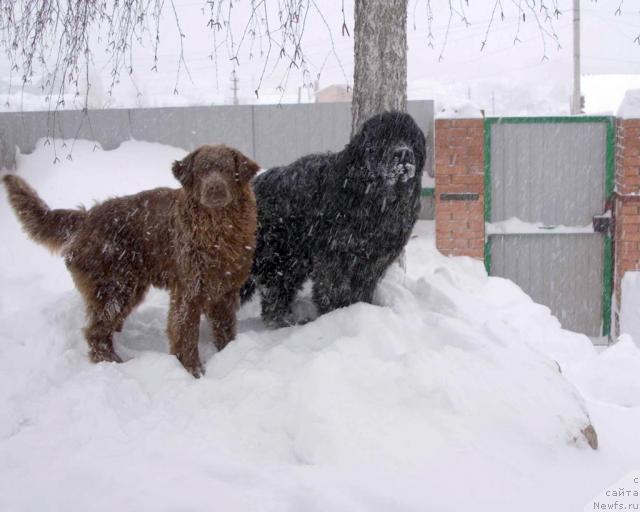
[515,226]
[461,110]
[630,106]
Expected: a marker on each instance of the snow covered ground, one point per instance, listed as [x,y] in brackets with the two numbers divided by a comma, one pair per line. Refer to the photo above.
[445,396]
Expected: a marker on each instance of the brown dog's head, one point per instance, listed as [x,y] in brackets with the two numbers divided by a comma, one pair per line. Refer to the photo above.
[214,175]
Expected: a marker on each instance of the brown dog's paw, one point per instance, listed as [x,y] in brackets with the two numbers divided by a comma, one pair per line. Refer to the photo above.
[197,371]
[195,368]
[104,356]
[222,339]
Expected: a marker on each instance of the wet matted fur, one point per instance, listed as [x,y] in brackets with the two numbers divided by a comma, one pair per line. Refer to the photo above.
[196,241]
[338,218]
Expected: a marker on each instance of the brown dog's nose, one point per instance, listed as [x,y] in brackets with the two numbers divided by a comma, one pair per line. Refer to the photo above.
[216,193]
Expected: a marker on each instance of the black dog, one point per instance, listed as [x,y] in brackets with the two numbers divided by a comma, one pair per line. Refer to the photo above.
[338,218]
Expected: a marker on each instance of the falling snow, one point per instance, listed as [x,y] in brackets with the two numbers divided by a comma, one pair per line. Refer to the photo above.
[453,389]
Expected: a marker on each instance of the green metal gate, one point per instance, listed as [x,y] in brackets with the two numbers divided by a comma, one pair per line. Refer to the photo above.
[555,175]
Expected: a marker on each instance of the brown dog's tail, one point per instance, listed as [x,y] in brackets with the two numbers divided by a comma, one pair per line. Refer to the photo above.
[51,228]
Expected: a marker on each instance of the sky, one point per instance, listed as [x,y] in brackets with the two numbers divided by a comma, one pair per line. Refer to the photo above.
[533,74]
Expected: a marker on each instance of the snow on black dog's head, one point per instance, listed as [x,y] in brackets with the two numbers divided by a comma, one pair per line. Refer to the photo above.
[393,148]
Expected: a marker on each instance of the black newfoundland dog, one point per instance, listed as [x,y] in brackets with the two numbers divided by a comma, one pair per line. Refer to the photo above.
[338,218]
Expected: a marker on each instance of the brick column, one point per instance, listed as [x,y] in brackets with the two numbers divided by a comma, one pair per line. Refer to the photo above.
[459,163]
[627,205]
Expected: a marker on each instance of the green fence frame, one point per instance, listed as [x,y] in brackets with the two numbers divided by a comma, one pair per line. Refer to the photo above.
[609,185]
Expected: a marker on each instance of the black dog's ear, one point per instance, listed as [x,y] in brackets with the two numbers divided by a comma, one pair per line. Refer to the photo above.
[183,169]
[245,167]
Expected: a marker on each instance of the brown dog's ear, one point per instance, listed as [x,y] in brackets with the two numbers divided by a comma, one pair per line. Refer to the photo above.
[245,167]
[183,169]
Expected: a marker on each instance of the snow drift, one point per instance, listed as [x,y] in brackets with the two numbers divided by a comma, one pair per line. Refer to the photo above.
[630,106]
[453,378]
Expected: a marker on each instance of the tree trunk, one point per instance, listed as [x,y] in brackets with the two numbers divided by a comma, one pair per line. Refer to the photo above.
[380,75]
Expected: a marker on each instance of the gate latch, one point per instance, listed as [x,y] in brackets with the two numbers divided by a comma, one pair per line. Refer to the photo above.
[602,223]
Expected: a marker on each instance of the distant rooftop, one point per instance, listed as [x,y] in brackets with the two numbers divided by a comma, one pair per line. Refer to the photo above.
[334,93]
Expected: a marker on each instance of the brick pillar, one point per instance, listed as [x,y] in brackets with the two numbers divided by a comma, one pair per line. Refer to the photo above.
[459,159]
[627,205]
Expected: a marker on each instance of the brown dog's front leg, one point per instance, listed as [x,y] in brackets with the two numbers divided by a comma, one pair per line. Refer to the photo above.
[222,315]
[99,334]
[183,329]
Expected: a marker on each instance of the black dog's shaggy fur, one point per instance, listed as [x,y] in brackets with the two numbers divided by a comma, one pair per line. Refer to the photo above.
[338,218]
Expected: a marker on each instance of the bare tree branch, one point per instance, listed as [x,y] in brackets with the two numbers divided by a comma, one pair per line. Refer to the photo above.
[57,38]
[28,29]
[545,14]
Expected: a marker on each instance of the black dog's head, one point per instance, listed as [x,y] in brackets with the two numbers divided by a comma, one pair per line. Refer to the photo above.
[215,175]
[392,147]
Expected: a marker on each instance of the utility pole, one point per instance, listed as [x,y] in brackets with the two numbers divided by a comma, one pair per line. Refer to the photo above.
[576,99]
[234,87]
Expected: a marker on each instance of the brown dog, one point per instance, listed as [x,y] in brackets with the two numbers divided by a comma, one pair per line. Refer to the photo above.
[197,242]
